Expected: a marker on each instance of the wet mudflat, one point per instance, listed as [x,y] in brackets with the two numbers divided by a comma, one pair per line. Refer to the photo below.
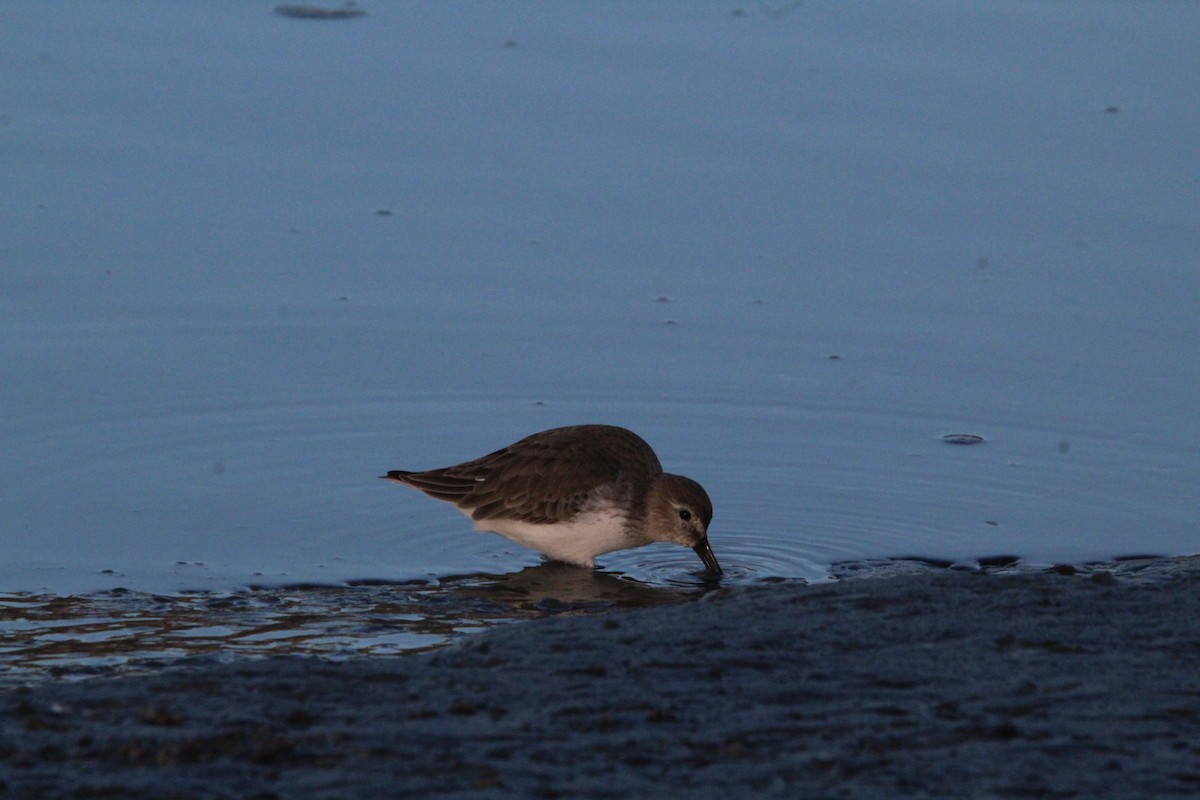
[925,683]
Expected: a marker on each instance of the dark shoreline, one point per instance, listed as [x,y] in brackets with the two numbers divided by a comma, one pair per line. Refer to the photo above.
[937,683]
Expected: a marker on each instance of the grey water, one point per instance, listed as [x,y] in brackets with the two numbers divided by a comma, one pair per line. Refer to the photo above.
[249,262]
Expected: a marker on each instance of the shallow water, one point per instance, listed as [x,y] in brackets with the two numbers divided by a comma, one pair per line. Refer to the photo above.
[251,262]
[119,632]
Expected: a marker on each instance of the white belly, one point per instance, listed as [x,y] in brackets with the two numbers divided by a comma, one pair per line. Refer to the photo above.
[579,541]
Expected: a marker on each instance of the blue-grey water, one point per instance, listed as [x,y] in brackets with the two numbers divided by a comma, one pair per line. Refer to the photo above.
[249,262]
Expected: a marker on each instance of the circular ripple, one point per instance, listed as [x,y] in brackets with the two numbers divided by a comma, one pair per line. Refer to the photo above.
[744,558]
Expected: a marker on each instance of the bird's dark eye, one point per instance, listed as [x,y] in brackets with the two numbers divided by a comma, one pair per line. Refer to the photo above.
[684,514]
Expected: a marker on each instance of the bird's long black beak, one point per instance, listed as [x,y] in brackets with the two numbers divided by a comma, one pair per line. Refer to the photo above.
[706,555]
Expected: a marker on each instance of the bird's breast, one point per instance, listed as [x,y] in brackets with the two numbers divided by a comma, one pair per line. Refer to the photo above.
[577,541]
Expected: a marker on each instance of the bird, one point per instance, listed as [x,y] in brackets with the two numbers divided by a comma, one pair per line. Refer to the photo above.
[574,493]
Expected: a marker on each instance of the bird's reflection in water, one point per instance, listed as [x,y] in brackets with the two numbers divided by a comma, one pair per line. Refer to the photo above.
[552,587]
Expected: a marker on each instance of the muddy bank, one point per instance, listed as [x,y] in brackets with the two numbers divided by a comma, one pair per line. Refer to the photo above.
[936,683]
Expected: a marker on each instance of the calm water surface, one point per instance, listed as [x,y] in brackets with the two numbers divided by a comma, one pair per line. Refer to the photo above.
[250,263]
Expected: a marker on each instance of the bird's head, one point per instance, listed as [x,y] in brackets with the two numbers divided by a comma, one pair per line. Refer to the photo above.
[678,510]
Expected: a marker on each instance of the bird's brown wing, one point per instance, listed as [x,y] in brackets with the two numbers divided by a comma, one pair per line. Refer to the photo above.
[543,478]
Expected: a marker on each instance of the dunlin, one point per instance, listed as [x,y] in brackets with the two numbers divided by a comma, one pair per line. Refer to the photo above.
[575,493]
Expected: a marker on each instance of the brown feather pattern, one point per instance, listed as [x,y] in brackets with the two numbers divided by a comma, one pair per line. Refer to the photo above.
[544,478]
